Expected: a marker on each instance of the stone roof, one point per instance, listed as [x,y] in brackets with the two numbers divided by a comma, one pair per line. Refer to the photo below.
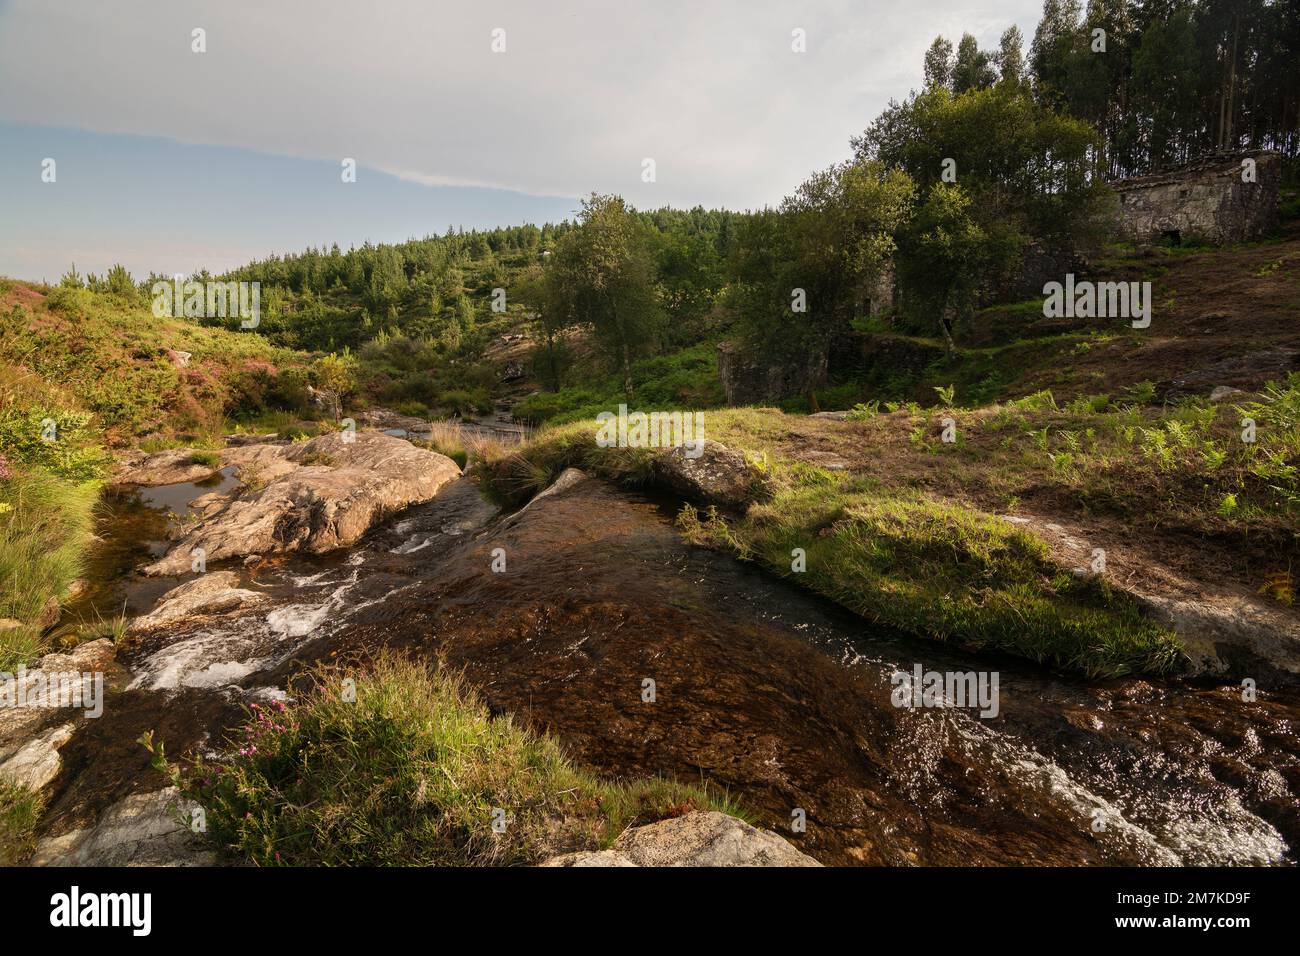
[1209,165]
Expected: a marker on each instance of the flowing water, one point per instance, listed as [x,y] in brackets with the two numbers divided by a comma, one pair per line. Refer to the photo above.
[758,687]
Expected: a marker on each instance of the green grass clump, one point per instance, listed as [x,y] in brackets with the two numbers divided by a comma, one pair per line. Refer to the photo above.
[20,810]
[412,772]
[45,524]
[945,572]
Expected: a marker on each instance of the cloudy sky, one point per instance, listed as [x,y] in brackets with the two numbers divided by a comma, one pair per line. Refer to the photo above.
[169,160]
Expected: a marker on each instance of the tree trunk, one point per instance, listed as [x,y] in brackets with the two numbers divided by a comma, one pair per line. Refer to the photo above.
[550,360]
[943,324]
[1232,83]
[627,368]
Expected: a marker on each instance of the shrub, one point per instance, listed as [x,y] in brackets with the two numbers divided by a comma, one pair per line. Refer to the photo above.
[466,402]
[51,438]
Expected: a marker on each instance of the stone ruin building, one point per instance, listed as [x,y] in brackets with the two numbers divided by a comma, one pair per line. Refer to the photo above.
[1209,200]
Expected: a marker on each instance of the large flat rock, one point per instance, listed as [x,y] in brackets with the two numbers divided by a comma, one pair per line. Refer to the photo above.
[311,496]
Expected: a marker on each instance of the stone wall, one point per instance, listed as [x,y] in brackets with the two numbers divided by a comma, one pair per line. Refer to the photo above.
[748,379]
[1206,201]
[1038,266]
[855,353]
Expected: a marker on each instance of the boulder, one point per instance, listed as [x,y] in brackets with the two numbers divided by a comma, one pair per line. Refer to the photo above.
[143,829]
[311,496]
[215,592]
[590,858]
[170,467]
[717,476]
[708,839]
[695,839]
[36,762]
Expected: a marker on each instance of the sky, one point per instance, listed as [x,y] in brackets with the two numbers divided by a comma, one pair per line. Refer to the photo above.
[171,160]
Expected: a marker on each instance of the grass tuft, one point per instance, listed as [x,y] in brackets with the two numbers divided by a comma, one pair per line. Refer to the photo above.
[20,811]
[45,524]
[412,772]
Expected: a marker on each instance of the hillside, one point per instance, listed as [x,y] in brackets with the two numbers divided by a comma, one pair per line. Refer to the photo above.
[83,375]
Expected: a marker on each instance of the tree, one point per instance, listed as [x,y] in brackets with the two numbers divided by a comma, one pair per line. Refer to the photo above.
[801,271]
[335,377]
[1017,159]
[946,257]
[603,275]
[938,64]
[1011,58]
[973,69]
[1050,53]
[1168,107]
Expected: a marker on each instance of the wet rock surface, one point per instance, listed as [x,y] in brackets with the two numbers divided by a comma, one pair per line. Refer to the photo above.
[786,701]
[212,593]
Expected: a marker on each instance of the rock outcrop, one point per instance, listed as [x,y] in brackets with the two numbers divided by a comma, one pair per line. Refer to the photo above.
[695,839]
[716,476]
[143,829]
[170,467]
[312,496]
[215,592]
[31,735]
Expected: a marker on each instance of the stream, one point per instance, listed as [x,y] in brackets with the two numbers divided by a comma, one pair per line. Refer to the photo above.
[759,687]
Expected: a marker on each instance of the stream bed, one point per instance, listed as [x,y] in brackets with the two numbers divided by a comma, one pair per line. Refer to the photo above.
[779,697]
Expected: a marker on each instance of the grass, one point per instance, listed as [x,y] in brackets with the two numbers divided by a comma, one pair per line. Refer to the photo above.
[120,361]
[927,563]
[20,810]
[81,372]
[45,524]
[941,571]
[448,439]
[412,771]
[113,628]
